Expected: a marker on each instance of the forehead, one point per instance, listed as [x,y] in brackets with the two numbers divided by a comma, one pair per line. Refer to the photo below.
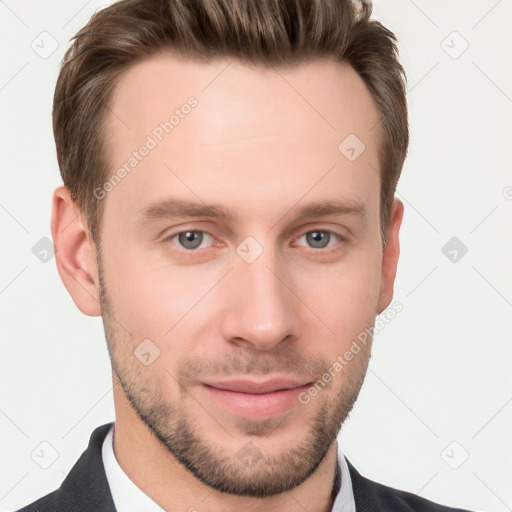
[252,131]
[329,94]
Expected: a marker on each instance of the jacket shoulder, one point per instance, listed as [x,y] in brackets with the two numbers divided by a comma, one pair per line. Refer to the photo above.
[370,496]
[85,488]
[409,501]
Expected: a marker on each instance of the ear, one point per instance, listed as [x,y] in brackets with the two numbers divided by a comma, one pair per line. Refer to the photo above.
[390,255]
[75,253]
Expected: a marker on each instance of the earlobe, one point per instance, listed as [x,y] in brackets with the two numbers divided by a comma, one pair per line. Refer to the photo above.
[390,255]
[75,253]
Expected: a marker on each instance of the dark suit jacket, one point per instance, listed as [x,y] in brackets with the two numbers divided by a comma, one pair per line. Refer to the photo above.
[86,489]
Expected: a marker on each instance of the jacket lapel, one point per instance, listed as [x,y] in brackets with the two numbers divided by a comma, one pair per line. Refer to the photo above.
[86,486]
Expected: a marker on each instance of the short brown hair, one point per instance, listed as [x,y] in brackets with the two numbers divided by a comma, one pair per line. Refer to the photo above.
[264,32]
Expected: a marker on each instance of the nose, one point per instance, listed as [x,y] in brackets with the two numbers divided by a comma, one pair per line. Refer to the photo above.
[261,311]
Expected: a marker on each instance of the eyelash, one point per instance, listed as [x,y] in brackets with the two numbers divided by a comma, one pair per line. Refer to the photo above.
[324,250]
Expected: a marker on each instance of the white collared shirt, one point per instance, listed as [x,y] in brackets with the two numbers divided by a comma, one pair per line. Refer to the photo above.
[129,498]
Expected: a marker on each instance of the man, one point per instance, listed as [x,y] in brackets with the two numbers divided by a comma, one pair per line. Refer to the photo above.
[228,209]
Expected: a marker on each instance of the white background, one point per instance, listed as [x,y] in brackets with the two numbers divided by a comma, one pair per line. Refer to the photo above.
[439,385]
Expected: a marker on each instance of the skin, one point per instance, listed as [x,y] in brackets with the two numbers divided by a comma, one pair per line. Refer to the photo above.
[255,147]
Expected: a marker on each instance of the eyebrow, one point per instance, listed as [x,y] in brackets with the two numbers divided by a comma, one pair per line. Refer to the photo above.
[170,208]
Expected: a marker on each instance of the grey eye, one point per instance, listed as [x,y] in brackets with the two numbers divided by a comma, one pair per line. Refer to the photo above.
[190,239]
[318,239]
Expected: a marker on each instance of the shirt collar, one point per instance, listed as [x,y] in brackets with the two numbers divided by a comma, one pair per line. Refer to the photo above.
[128,497]
[344,501]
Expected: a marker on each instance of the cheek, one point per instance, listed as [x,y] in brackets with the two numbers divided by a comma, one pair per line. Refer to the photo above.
[141,300]
[156,300]
[162,310]
[345,296]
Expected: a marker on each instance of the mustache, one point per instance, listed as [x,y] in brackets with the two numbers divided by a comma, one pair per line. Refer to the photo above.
[282,361]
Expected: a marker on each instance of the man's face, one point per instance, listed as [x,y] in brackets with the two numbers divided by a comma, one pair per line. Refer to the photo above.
[246,247]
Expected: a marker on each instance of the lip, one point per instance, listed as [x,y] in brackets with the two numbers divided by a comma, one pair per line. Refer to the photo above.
[257,387]
[256,400]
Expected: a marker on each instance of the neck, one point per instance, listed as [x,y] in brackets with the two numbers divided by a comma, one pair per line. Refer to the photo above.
[154,470]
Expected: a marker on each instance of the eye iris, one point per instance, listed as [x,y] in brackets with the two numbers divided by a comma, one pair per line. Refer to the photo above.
[318,239]
[190,239]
